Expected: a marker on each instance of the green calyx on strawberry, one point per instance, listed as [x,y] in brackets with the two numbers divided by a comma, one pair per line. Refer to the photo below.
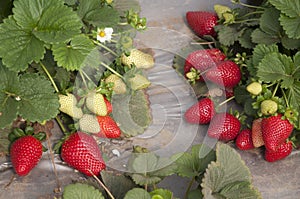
[81,151]
[193,75]
[226,73]
[202,22]
[275,130]
[25,150]
[201,112]
[224,126]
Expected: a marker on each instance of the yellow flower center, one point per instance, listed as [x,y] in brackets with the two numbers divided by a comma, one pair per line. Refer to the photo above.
[102,33]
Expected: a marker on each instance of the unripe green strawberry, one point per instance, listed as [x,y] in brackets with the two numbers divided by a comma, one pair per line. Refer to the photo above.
[68,105]
[96,104]
[138,58]
[89,123]
[254,88]
[139,82]
[119,86]
[268,107]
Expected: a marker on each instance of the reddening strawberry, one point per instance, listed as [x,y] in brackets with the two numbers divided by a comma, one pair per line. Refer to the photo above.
[108,105]
[244,140]
[284,150]
[96,104]
[25,153]
[82,152]
[226,73]
[275,131]
[224,126]
[201,112]
[202,22]
[203,59]
[257,137]
[108,127]
[68,105]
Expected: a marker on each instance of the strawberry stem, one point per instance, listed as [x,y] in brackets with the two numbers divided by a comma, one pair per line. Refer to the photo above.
[105,47]
[189,187]
[102,185]
[49,76]
[275,90]
[59,122]
[225,101]
[246,5]
[111,69]
[58,189]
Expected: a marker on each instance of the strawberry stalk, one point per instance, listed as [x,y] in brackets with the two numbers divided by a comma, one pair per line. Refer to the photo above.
[49,76]
[105,47]
[102,185]
[246,5]
[111,69]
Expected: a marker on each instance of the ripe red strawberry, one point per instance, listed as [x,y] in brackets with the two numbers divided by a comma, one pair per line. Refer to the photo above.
[202,22]
[108,127]
[224,126]
[82,152]
[257,137]
[201,112]
[227,74]
[244,140]
[282,151]
[203,59]
[25,153]
[275,131]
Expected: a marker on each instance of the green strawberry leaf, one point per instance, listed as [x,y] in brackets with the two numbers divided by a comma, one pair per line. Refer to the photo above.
[291,25]
[132,112]
[137,193]
[276,67]
[30,96]
[92,12]
[290,43]
[227,35]
[289,7]
[49,20]
[260,37]
[148,168]
[70,2]
[20,43]
[293,96]
[245,39]
[226,175]
[71,56]
[113,181]
[269,22]
[194,163]
[81,191]
[261,50]
[38,101]
[195,194]
[139,109]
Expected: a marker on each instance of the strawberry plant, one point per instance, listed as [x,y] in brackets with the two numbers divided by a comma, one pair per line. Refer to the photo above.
[260,67]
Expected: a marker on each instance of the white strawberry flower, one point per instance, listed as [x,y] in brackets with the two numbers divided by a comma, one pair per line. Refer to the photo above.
[104,35]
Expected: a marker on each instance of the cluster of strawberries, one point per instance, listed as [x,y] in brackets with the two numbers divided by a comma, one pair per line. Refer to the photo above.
[211,66]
